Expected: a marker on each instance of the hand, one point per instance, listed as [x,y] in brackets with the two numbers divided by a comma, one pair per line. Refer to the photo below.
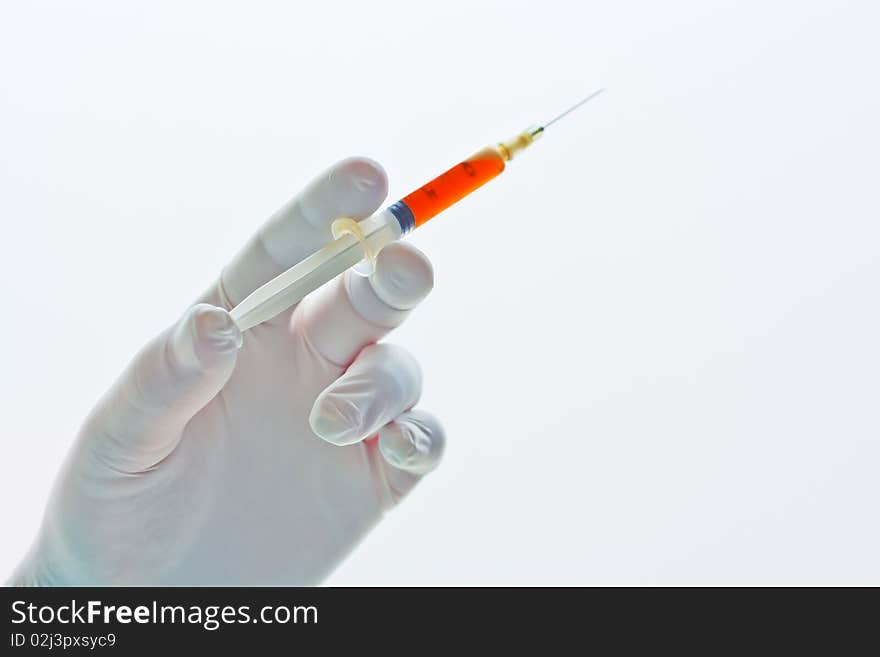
[201,465]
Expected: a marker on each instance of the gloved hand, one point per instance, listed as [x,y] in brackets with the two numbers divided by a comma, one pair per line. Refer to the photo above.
[201,465]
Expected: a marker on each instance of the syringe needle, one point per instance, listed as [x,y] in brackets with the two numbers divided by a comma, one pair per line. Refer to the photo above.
[573,107]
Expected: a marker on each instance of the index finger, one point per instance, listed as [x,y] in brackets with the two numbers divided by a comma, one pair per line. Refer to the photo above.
[354,187]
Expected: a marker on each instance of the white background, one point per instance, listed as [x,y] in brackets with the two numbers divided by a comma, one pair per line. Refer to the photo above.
[669,373]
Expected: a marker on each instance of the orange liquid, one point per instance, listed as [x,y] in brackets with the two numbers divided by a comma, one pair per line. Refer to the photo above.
[450,187]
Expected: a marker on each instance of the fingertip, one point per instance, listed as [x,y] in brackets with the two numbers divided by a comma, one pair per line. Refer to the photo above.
[335,420]
[206,335]
[414,442]
[360,183]
[383,381]
[364,173]
[403,276]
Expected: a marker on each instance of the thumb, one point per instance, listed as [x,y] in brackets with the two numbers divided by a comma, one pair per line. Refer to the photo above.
[171,379]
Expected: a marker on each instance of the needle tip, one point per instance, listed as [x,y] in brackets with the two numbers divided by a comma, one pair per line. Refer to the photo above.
[571,109]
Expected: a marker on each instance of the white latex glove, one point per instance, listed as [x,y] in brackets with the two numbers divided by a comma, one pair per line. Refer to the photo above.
[201,464]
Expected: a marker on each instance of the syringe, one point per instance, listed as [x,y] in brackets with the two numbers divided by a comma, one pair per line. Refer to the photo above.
[358,240]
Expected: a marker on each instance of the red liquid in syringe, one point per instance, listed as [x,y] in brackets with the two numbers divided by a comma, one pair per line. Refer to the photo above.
[450,187]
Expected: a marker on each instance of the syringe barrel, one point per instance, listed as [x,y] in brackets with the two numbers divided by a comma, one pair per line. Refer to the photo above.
[289,287]
[448,188]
